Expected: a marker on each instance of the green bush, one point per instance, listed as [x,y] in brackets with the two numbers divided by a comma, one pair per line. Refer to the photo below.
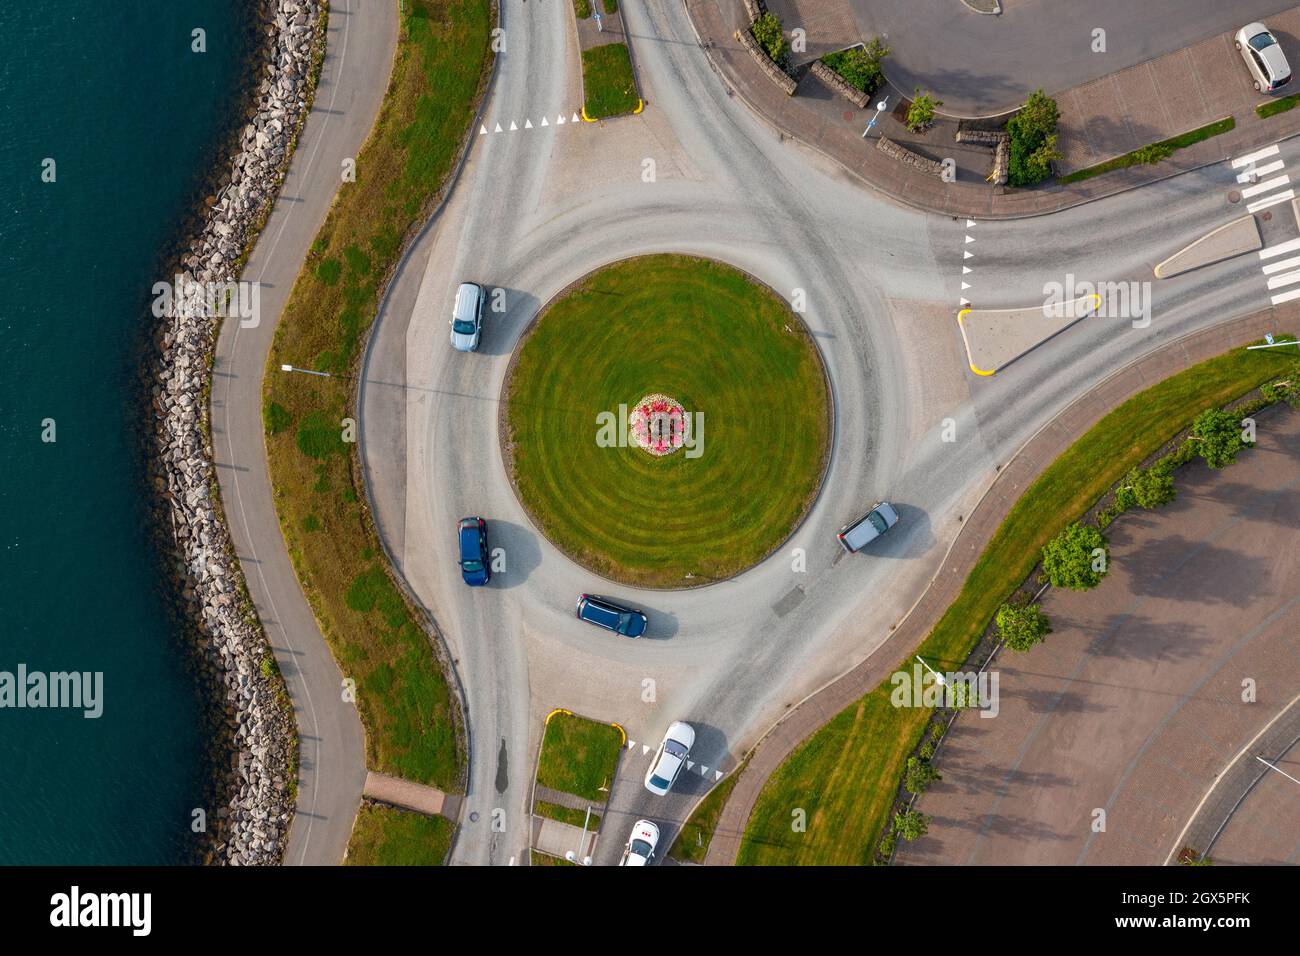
[1068,560]
[1032,140]
[1146,489]
[1022,626]
[1217,433]
[767,31]
[919,775]
[859,66]
[921,113]
[1152,153]
[911,824]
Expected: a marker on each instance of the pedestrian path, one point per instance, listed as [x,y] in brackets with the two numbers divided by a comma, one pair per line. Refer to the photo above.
[410,795]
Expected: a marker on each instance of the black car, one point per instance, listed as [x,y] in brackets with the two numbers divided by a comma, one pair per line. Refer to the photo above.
[471,534]
[612,617]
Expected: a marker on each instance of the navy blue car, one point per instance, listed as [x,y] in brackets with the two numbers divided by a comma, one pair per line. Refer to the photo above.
[612,617]
[472,535]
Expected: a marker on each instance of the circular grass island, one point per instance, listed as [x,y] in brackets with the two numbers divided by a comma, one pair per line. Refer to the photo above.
[666,421]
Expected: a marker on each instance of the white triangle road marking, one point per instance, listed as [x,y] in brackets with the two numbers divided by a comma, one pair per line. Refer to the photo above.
[690,765]
[965,285]
[513,126]
[964,301]
[528,124]
[559,120]
[644,750]
[545,121]
[703,770]
[498,129]
[717,775]
[967,254]
[482,130]
[575,118]
[970,238]
[970,223]
[966,270]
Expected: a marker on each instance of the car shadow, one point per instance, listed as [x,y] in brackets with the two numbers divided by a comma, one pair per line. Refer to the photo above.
[501,330]
[519,548]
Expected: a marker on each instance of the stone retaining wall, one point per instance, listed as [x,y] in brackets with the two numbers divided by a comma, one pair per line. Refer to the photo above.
[907,157]
[839,85]
[777,75]
[252,828]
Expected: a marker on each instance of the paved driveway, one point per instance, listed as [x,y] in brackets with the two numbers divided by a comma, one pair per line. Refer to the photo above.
[981,65]
[1134,705]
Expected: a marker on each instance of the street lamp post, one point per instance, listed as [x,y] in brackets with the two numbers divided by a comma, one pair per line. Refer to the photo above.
[938,678]
[571,855]
[304,371]
[1269,343]
[880,108]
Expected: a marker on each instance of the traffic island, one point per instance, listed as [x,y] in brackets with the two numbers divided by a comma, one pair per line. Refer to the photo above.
[609,85]
[995,338]
[575,769]
[685,427]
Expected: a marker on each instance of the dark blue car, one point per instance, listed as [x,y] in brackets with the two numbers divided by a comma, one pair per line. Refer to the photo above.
[612,617]
[472,535]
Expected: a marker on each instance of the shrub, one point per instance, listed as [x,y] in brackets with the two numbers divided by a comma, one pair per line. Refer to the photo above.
[1152,153]
[1022,626]
[1217,433]
[921,113]
[1146,489]
[887,844]
[1032,140]
[911,824]
[1285,389]
[767,31]
[919,775]
[860,67]
[1068,560]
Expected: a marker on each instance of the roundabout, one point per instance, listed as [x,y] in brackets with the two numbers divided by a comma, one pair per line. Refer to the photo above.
[666,421]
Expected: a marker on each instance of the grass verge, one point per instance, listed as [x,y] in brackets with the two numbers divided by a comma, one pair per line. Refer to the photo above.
[608,81]
[386,836]
[579,756]
[845,776]
[1280,105]
[1152,151]
[762,413]
[693,840]
[577,818]
[538,858]
[402,694]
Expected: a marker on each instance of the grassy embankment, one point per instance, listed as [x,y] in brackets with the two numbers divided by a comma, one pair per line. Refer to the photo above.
[403,697]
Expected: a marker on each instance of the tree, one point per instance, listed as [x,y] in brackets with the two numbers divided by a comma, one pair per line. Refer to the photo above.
[1146,489]
[1031,136]
[911,824]
[921,113]
[1021,626]
[1076,558]
[919,775]
[860,66]
[1218,433]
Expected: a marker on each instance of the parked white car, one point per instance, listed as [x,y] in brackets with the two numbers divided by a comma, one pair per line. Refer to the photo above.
[1264,57]
[640,849]
[670,758]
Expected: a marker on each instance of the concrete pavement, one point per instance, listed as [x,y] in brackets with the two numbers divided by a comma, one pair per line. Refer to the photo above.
[362,36]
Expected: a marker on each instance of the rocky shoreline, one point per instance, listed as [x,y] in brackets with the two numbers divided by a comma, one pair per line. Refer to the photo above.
[252,719]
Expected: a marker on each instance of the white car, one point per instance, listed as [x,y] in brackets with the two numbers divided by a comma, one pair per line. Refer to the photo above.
[1264,57]
[640,849]
[670,758]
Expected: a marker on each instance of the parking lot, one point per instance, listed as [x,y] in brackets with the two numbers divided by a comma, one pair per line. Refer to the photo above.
[1112,732]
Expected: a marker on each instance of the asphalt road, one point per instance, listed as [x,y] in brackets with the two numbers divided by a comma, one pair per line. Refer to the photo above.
[535,209]
[361,40]
[984,65]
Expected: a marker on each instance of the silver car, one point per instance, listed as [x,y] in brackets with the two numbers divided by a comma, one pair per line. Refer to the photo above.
[467,317]
[856,536]
[1264,57]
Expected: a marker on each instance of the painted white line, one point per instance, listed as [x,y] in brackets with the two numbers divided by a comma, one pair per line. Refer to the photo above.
[1272,200]
[1291,245]
[1267,186]
[1260,171]
[1281,265]
[1259,154]
[1285,296]
[1286,278]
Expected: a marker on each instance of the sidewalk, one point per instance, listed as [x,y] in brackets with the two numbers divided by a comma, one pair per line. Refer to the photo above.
[809,715]
[411,796]
[1102,119]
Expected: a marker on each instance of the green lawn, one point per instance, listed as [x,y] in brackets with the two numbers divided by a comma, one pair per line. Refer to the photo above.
[693,840]
[438,74]
[1280,105]
[539,858]
[1131,159]
[608,81]
[577,818]
[845,776]
[386,836]
[670,325]
[579,756]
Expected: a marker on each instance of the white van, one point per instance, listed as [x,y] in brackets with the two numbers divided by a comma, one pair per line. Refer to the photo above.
[854,537]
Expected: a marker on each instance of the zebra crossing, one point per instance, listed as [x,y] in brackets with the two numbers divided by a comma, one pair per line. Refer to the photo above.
[1265,182]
